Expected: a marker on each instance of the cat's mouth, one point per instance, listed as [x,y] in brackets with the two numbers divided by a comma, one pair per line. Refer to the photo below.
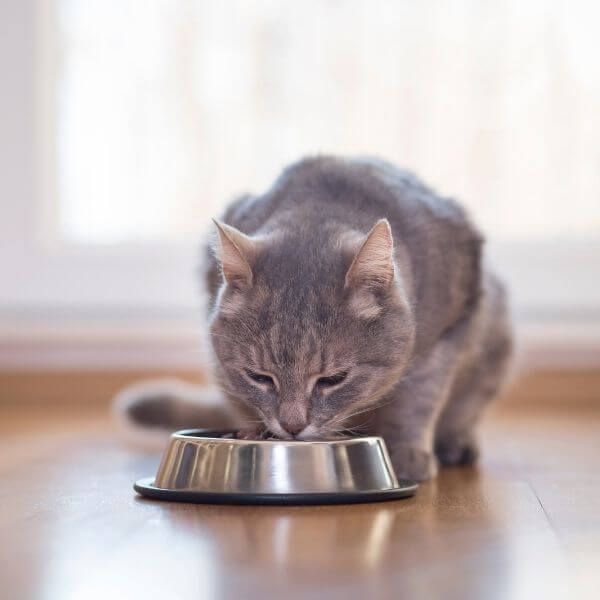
[310,432]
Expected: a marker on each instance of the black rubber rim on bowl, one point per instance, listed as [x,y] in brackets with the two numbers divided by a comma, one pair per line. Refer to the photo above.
[146,488]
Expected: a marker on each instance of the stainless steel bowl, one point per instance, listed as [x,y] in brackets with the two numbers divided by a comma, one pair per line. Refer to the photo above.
[214,467]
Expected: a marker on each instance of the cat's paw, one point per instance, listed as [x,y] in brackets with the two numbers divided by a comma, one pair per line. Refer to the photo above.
[413,463]
[251,433]
[457,451]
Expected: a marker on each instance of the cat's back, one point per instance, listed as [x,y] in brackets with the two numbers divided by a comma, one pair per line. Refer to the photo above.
[352,192]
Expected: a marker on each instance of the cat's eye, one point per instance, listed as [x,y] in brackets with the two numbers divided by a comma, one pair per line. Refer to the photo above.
[331,380]
[260,377]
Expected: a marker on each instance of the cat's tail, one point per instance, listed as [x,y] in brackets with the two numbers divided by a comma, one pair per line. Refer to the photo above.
[147,412]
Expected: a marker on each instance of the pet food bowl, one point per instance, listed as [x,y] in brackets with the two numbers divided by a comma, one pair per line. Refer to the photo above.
[205,466]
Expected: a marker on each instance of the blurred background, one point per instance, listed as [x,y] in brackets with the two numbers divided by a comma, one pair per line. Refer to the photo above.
[125,126]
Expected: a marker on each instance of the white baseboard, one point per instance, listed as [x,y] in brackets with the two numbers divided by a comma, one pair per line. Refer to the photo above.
[116,344]
[558,344]
[177,343]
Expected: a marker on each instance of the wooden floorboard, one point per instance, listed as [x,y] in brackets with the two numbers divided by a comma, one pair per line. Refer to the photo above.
[524,525]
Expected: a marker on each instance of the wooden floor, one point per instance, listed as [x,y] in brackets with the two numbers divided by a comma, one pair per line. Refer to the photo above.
[526,524]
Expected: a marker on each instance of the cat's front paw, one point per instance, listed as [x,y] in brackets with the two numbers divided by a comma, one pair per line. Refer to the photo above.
[413,463]
[457,451]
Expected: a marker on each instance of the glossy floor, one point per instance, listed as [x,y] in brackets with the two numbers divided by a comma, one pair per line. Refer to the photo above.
[526,524]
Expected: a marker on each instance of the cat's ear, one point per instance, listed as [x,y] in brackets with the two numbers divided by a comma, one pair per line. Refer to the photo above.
[235,251]
[373,263]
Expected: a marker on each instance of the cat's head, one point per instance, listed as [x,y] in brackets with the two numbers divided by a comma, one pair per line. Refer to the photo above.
[310,328]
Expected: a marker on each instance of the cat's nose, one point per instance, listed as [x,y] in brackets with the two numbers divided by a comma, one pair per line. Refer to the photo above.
[293,427]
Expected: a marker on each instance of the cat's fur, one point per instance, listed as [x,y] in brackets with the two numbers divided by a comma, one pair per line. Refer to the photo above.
[355,267]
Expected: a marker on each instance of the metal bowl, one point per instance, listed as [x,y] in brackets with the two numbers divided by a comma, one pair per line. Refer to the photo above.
[213,467]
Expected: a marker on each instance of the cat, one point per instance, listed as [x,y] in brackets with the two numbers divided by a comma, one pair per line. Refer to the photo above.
[351,299]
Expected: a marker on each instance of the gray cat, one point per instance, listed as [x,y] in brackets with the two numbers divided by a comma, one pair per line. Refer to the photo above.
[351,298]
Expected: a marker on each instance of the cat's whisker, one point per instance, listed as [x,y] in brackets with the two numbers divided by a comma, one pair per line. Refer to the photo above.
[360,412]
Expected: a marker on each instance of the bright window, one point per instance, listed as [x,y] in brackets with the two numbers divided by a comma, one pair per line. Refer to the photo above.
[165,110]
[127,125]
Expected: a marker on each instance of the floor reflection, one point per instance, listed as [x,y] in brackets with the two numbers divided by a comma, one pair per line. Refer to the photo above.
[351,537]
[390,545]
